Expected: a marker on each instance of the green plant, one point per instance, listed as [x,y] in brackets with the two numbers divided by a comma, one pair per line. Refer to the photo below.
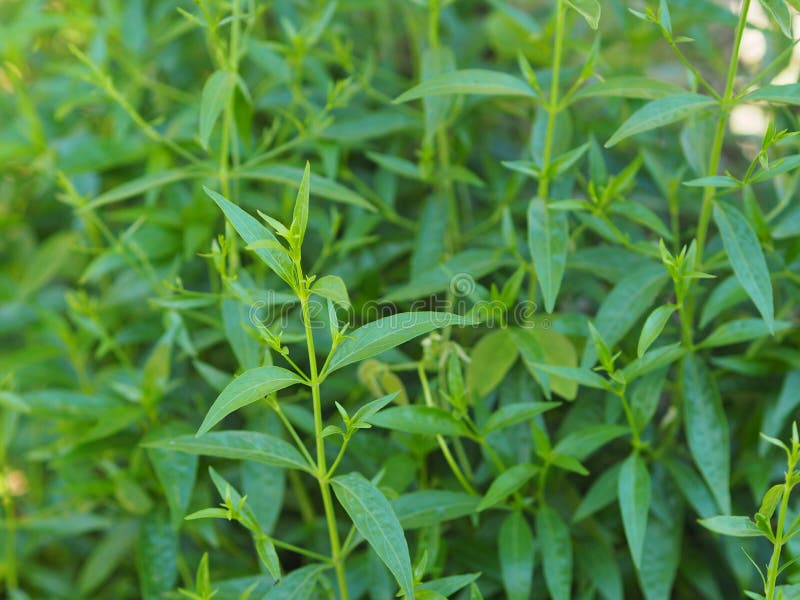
[511,333]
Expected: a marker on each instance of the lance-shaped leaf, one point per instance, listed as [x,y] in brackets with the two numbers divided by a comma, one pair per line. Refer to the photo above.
[250,386]
[423,420]
[784,94]
[389,332]
[251,232]
[707,429]
[589,10]
[733,526]
[300,213]
[506,484]
[516,552]
[238,445]
[633,492]
[556,546]
[374,518]
[548,237]
[659,113]
[747,258]
[333,288]
[215,97]
[469,81]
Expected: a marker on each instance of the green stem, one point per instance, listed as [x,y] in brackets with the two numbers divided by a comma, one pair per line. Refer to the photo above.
[552,105]
[423,378]
[774,562]
[322,470]
[10,533]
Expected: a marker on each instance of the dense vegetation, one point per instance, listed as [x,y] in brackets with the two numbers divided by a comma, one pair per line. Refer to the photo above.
[437,298]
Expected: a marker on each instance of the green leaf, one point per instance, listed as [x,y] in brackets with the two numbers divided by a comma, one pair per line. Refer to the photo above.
[653,360]
[578,375]
[662,553]
[238,445]
[252,231]
[779,12]
[548,238]
[580,444]
[297,585]
[216,95]
[426,508]
[547,346]
[747,258]
[715,181]
[741,330]
[733,526]
[588,9]
[556,545]
[634,503]
[644,396]
[106,555]
[782,94]
[333,288]
[692,487]
[176,473]
[250,386]
[423,420]
[517,412]
[628,86]
[236,322]
[138,186]
[156,556]
[300,213]
[387,333]
[602,493]
[653,327]
[707,429]
[490,360]
[516,552]
[469,81]
[322,186]
[507,483]
[660,112]
[374,518]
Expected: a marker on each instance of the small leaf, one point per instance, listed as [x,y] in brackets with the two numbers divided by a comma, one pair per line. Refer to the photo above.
[298,584]
[741,330]
[250,386]
[653,327]
[554,539]
[516,552]
[548,238]
[707,429]
[389,332]
[588,9]
[215,97]
[747,258]
[252,231]
[511,414]
[469,81]
[374,518]
[423,420]
[659,113]
[333,288]
[506,484]
[300,213]
[634,503]
[733,526]
[715,181]
[491,358]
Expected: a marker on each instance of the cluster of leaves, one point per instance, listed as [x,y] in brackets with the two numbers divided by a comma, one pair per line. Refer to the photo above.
[437,298]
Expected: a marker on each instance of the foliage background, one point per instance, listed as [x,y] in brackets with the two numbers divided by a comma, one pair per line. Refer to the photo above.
[123,314]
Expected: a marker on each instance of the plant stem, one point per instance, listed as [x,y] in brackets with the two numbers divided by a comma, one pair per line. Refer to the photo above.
[774,562]
[552,105]
[322,469]
[10,533]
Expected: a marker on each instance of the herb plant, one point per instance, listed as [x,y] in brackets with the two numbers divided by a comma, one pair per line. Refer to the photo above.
[416,298]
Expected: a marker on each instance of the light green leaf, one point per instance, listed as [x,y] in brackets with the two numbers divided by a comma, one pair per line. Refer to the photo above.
[537,345]
[733,526]
[516,552]
[741,330]
[138,186]
[297,585]
[250,386]
[469,81]
[653,327]
[300,213]
[652,360]
[426,508]
[747,258]
[628,86]
[583,442]
[322,186]
[779,12]
[215,97]
[783,94]
[588,9]
[578,375]
[518,412]
[389,332]
[252,231]
[238,445]
[634,503]
[374,518]
[423,420]
[707,429]
[548,238]
[507,483]
[659,113]
[491,358]
[156,556]
[715,181]
[333,288]
[556,545]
